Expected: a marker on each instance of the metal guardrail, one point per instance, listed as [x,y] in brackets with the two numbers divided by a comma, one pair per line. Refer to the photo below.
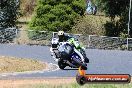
[89,41]
[105,42]
[7,35]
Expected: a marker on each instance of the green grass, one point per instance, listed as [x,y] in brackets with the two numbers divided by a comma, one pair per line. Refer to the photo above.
[75,85]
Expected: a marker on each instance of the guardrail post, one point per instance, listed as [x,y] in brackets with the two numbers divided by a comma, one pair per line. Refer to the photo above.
[127,44]
[89,41]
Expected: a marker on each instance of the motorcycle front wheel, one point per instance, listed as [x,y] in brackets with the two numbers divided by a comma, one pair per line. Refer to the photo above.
[84,65]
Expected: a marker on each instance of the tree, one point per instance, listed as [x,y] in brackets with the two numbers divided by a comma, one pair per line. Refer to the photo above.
[54,15]
[116,9]
[8,13]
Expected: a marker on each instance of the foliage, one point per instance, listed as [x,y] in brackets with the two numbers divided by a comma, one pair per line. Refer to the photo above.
[119,9]
[90,24]
[54,15]
[112,28]
[9,12]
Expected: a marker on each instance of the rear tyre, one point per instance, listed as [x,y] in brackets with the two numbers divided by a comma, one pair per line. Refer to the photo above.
[61,64]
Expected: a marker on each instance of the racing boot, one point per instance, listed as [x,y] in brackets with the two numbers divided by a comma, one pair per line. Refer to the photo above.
[86,59]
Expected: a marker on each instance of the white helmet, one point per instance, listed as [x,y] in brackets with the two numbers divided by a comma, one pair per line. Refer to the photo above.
[61,33]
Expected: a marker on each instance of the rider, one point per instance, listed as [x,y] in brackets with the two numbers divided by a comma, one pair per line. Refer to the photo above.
[65,38]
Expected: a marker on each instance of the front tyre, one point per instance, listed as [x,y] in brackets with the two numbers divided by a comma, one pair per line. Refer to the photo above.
[61,64]
[84,65]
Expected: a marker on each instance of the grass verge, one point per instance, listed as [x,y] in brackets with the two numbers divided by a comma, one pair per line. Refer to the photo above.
[12,64]
[75,85]
[55,83]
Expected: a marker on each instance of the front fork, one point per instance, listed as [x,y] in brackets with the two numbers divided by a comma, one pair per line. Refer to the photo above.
[80,55]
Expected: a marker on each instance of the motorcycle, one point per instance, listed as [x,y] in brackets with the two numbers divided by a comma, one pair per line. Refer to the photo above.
[68,57]
[65,54]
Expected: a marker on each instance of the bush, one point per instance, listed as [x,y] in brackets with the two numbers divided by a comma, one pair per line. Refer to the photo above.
[9,12]
[90,25]
[54,15]
[116,9]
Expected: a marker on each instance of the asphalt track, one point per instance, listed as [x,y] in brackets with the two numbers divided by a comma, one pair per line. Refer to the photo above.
[101,61]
